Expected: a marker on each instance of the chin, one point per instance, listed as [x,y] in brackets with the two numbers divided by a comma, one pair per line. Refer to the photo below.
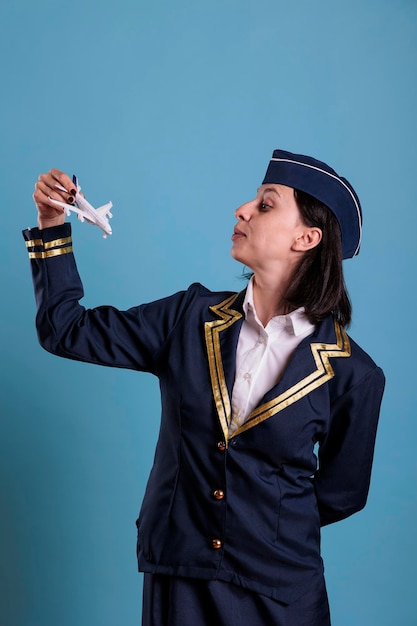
[240,258]
[236,256]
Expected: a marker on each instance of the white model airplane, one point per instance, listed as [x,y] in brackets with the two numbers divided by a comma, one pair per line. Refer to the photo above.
[85,211]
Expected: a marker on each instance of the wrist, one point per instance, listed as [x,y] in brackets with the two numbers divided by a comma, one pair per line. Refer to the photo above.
[50,222]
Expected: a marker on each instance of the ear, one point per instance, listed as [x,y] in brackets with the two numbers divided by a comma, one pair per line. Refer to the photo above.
[309,238]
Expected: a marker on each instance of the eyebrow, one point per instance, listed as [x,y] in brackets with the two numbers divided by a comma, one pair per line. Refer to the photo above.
[272,189]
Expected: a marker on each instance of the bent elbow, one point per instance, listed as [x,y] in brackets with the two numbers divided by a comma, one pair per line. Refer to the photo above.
[331,513]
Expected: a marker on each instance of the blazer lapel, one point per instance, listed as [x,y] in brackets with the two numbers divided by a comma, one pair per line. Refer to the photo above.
[309,368]
[221,337]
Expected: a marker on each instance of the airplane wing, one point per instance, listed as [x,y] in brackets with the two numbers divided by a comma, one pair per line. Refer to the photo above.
[105,209]
[68,207]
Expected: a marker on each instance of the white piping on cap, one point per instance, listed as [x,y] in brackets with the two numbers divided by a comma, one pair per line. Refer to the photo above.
[314,167]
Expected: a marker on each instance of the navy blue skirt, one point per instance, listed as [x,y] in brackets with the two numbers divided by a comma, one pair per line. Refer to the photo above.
[174,601]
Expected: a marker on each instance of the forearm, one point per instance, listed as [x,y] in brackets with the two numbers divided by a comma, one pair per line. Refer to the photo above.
[345,456]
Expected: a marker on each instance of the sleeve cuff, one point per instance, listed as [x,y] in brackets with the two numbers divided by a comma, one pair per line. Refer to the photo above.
[48,242]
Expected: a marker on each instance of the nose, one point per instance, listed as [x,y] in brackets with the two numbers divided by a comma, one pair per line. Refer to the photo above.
[244,212]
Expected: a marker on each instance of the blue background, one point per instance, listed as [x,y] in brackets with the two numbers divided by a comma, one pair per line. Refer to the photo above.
[171,109]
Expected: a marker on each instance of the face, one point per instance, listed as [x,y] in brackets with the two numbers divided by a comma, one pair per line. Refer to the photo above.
[267,230]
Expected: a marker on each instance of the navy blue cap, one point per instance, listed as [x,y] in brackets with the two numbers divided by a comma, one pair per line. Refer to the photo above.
[323,183]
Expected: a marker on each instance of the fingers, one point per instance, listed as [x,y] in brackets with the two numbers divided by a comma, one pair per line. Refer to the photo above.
[58,186]
[62,180]
[56,181]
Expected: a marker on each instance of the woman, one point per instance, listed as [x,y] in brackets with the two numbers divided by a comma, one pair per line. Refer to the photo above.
[229,529]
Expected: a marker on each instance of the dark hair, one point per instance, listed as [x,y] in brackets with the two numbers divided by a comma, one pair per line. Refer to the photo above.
[317,283]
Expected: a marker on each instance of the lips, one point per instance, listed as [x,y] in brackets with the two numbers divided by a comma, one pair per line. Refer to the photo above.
[237,234]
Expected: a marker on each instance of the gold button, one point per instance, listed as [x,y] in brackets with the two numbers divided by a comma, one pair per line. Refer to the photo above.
[221,445]
[217,544]
[218,494]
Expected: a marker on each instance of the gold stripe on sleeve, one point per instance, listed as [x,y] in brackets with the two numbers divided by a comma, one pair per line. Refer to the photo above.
[49,249]
[57,242]
[34,242]
[50,253]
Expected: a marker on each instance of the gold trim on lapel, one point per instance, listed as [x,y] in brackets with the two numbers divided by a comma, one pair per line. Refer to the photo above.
[218,382]
[322,352]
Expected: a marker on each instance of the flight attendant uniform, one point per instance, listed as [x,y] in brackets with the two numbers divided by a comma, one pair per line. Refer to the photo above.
[230,522]
[229,528]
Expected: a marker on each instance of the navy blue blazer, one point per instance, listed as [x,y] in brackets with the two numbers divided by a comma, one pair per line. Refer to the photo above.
[248,508]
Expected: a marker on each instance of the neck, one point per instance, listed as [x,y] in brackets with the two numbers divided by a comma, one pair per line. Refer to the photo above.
[269,298]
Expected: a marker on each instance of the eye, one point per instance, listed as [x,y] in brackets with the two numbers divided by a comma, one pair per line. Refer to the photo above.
[265,207]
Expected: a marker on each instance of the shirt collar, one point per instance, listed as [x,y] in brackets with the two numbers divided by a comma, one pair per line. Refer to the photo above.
[295,322]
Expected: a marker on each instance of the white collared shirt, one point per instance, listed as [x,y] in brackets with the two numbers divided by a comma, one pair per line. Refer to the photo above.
[262,355]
